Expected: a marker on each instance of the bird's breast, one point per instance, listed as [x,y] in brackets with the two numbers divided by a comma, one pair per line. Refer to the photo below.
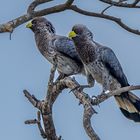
[97,70]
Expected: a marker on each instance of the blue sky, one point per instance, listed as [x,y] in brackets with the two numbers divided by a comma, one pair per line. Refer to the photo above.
[23,67]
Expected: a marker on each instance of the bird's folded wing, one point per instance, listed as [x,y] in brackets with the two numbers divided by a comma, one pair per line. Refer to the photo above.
[66,46]
[111,62]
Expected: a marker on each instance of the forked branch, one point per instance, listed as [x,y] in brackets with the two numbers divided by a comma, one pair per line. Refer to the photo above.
[54,89]
[68,5]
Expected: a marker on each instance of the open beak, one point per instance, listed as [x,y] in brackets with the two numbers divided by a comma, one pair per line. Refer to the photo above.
[29,25]
[72,34]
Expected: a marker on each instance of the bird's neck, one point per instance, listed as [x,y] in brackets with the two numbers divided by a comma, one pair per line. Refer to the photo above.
[85,50]
[43,36]
[42,40]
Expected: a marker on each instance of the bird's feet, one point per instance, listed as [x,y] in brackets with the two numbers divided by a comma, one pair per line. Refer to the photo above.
[105,92]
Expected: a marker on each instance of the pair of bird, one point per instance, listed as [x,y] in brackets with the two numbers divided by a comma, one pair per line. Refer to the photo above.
[79,54]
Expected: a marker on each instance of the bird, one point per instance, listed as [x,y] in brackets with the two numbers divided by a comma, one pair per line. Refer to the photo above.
[57,49]
[102,63]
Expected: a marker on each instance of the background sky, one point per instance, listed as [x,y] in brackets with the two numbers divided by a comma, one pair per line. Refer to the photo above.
[23,67]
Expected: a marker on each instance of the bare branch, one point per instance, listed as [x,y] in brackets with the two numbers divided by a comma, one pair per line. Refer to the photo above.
[120,4]
[31,121]
[43,134]
[33,100]
[87,123]
[69,2]
[50,84]
[102,97]
[106,9]
[34,4]
[87,102]
[88,109]
[37,121]
[135,2]
[45,108]
[115,19]
[121,1]
[11,25]
[46,112]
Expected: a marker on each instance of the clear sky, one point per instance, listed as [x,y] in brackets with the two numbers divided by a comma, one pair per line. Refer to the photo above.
[23,67]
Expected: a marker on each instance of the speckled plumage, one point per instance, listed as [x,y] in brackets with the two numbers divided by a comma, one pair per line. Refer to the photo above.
[103,65]
[57,47]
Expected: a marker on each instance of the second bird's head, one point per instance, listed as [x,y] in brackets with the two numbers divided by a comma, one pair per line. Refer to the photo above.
[40,24]
[80,31]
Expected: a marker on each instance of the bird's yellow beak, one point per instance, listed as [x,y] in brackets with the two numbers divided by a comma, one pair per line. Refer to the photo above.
[29,25]
[72,34]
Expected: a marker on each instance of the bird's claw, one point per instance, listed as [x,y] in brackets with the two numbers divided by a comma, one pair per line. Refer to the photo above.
[93,96]
[96,98]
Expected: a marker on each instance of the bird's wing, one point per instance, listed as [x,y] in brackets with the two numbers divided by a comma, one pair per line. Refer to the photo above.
[111,62]
[66,46]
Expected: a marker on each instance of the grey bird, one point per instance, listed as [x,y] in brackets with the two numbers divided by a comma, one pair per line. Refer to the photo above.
[103,65]
[57,49]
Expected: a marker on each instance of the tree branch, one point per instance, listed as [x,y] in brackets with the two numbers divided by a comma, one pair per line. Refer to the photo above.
[115,19]
[102,97]
[34,4]
[111,5]
[11,25]
[45,107]
[121,4]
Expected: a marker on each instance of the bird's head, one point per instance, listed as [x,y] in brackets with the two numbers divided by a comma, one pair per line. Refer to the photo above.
[80,31]
[40,24]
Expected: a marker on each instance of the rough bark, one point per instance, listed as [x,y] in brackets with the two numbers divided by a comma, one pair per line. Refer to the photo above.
[68,5]
[54,89]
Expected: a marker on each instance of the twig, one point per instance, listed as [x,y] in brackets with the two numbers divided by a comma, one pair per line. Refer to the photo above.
[86,101]
[37,121]
[11,25]
[132,5]
[105,16]
[102,97]
[33,100]
[121,1]
[34,4]
[106,9]
[31,121]
[42,132]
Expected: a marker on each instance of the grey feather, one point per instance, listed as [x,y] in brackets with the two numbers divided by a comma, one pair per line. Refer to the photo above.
[103,65]
[57,47]
[66,46]
[111,62]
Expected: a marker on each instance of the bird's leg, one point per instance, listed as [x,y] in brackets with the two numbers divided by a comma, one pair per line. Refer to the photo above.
[105,90]
[106,86]
[90,81]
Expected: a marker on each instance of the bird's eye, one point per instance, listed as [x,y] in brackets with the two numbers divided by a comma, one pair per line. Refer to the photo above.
[34,22]
[47,25]
[75,31]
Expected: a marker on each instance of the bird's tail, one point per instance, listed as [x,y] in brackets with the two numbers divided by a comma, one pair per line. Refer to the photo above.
[129,105]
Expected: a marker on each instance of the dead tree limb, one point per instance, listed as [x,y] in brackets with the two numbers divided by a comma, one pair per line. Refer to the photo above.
[68,5]
[122,4]
[54,89]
